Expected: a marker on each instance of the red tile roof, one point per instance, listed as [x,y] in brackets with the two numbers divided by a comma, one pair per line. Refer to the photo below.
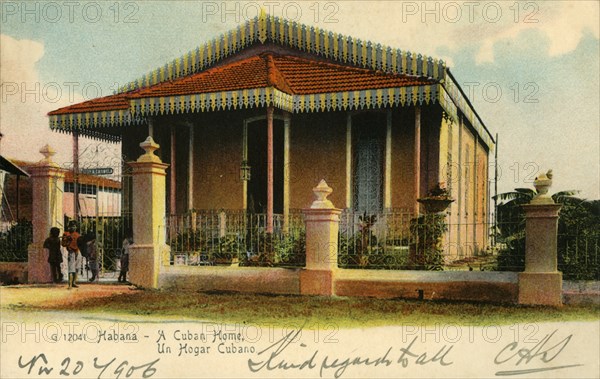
[292,75]
[107,103]
[310,77]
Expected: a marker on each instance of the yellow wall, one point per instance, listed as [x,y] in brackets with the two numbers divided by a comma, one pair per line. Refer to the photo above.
[317,151]
[403,135]
[217,159]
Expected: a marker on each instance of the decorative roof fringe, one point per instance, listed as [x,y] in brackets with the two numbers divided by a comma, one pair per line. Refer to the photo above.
[317,41]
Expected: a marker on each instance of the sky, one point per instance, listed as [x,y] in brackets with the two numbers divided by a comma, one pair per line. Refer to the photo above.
[530,69]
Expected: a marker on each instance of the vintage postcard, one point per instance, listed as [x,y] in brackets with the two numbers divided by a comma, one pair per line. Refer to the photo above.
[303,189]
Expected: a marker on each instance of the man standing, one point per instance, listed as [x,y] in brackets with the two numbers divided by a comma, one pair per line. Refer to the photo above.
[69,240]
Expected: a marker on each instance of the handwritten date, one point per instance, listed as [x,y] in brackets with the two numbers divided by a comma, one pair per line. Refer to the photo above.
[101,367]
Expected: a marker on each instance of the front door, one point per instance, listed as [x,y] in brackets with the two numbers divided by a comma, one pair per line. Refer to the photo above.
[257,159]
[368,131]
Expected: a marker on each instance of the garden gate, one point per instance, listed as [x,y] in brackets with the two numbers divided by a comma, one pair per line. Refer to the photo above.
[104,189]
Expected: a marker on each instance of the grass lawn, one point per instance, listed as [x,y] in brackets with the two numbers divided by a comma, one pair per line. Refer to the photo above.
[286,310]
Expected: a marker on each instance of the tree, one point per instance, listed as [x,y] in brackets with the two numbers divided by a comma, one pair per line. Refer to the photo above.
[578,233]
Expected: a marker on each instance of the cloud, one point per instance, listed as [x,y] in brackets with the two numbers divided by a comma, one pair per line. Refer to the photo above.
[18,59]
[25,101]
[563,23]
[440,29]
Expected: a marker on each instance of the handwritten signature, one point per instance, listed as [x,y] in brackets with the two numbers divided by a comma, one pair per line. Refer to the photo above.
[544,351]
[273,358]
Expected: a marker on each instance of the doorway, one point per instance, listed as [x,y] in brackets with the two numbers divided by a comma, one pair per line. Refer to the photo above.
[256,196]
[368,135]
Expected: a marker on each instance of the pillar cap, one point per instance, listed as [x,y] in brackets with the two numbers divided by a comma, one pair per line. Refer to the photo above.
[48,152]
[542,184]
[149,147]
[321,191]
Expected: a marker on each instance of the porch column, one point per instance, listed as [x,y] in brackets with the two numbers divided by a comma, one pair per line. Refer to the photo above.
[173,177]
[349,161]
[190,197]
[541,282]
[286,170]
[47,184]
[269,169]
[245,160]
[388,162]
[151,127]
[475,193]
[322,225]
[417,159]
[75,175]
[149,208]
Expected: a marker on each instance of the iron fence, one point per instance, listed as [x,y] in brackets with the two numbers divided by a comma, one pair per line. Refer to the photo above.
[375,241]
[578,256]
[390,240]
[14,241]
[228,237]
[395,239]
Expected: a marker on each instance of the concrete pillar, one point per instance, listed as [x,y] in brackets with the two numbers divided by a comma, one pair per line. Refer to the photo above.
[47,182]
[541,283]
[149,210]
[322,225]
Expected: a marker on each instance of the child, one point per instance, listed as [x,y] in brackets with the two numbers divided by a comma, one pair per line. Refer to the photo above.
[125,259]
[69,240]
[52,243]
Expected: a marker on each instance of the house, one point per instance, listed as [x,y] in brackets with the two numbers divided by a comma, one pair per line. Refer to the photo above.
[7,169]
[252,120]
[98,196]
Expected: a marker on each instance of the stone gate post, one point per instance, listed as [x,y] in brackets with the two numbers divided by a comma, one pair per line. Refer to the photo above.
[149,210]
[47,200]
[322,225]
[541,282]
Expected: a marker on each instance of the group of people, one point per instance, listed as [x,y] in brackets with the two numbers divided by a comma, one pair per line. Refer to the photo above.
[75,243]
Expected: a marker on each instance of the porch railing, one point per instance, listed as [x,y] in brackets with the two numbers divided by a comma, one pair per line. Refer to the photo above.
[226,237]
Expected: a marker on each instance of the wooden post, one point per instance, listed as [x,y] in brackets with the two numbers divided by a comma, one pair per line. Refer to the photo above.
[286,170]
[173,177]
[269,169]
[388,162]
[349,161]
[417,158]
[75,175]
[191,169]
